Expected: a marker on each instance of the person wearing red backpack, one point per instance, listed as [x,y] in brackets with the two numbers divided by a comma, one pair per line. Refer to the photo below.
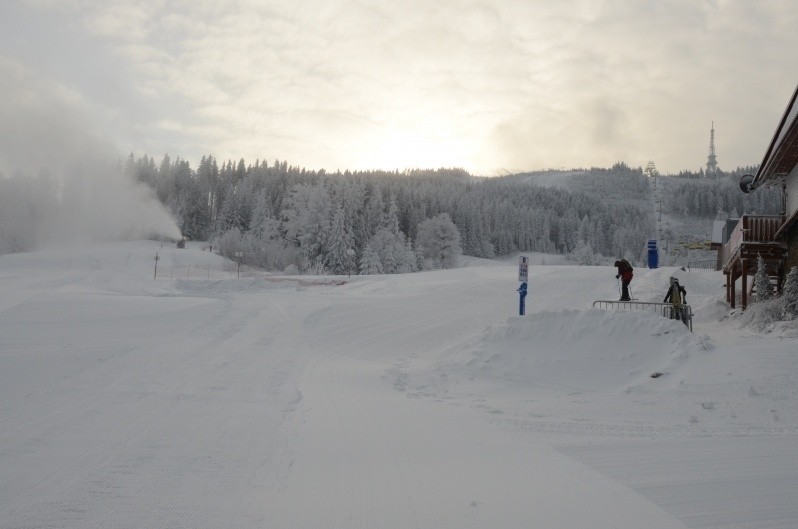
[625,273]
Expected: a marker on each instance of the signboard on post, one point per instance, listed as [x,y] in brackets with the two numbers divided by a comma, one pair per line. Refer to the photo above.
[523,275]
[523,268]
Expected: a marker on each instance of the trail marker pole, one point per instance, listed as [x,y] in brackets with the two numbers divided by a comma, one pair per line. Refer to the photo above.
[155,275]
[523,277]
[238,273]
[522,299]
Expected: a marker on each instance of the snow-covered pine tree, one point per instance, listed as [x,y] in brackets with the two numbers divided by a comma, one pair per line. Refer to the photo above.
[370,262]
[263,224]
[394,251]
[340,241]
[372,213]
[228,243]
[390,220]
[761,281]
[231,214]
[583,254]
[306,220]
[438,242]
[790,293]
[407,258]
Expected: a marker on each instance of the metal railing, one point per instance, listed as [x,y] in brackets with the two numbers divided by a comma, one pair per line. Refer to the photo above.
[708,264]
[684,313]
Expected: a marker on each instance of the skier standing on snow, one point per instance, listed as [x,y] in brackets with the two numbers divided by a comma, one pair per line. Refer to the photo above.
[677,295]
[625,273]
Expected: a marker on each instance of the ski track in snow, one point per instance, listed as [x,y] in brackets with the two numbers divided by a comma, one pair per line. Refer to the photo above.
[420,400]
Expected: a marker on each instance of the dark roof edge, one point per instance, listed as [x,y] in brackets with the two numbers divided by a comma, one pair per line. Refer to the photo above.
[788,223]
[760,174]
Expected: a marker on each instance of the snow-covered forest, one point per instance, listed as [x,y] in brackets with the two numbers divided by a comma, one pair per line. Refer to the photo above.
[704,198]
[281,217]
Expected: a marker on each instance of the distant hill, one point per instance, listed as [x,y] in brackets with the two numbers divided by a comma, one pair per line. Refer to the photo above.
[547,178]
[620,184]
[682,208]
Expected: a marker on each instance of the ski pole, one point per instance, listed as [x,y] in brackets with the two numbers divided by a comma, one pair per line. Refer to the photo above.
[619,287]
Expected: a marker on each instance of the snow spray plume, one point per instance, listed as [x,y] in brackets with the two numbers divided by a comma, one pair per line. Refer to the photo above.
[80,194]
[97,203]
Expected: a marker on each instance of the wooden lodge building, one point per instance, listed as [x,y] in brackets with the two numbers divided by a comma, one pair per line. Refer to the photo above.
[775,238]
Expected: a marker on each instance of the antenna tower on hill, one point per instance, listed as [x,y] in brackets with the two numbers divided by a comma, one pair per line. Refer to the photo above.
[712,161]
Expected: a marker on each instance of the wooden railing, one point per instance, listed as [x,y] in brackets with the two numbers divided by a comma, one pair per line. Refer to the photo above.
[751,229]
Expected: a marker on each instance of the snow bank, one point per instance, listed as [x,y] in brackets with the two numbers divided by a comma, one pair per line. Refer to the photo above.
[593,350]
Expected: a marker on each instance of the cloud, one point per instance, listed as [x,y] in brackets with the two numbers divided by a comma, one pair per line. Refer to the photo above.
[41,122]
[655,74]
[515,84]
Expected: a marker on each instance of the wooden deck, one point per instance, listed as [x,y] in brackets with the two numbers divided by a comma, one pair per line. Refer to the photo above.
[753,236]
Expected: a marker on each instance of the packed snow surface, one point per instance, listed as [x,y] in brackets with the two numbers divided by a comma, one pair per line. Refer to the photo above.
[200,399]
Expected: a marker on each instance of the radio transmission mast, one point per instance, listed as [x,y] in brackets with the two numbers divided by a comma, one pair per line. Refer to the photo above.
[712,160]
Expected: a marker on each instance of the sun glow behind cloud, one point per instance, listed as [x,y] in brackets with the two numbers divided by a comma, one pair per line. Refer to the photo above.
[338,84]
[416,148]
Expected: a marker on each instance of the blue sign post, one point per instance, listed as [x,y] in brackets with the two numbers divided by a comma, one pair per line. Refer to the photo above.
[522,299]
[523,276]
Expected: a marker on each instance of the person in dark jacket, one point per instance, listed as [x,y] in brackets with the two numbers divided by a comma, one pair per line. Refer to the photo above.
[625,273]
[677,296]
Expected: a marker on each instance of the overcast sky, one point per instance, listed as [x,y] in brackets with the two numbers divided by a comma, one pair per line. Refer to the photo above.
[492,87]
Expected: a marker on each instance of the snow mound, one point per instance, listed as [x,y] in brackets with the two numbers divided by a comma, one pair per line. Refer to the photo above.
[592,350]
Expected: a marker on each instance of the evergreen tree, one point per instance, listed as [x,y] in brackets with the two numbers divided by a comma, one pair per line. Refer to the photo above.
[228,243]
[390,220]
[306,220]
[370,262]
[438,242]
[790,293]
[761,281]
[395,253]
[263,224]
[339,244]
[209,183]
[583,254]
[408,259]
[195,219]
[231,214]
[240,172]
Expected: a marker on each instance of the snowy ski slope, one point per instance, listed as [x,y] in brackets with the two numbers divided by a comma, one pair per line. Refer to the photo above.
[417,400]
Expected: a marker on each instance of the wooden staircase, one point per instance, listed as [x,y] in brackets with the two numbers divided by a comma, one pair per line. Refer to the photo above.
[752,237]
